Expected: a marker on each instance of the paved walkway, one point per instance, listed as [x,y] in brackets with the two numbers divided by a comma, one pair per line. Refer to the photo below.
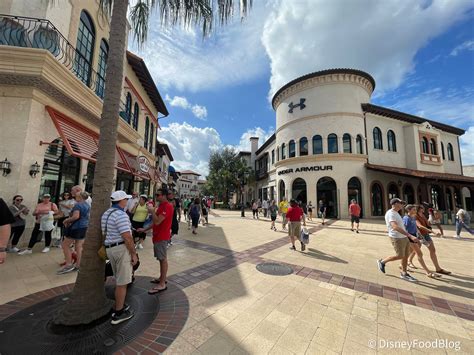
[336,301]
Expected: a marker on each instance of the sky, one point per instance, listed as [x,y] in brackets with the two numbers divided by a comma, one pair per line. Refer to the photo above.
[218,89]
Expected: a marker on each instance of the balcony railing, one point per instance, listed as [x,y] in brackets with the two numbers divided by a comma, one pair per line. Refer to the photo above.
[19,31]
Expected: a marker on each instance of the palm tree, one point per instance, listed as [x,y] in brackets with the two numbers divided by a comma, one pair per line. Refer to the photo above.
[88,301]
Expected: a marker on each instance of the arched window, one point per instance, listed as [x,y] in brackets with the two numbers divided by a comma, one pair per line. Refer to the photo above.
[377,133]
[377,200]
[433,149]
[450,152]
[346,143]
[145,138]
[392,191]
[278,153]
[103,54]
[317,144]
[391,141]
[152,136]
[281,190]
[291,149]
[442,151]
[128,107]
[283,153]
[332,143]
[84,48]
[359,144]
[303,146]
[136,115]
[424,145]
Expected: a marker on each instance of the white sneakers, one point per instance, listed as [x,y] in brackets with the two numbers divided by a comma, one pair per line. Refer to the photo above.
[45,250]
[14,250]
[140,246]
[25,252]
[458,236]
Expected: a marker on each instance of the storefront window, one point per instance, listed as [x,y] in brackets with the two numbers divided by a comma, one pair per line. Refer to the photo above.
[377,202]
[326,190]
[60,171]
[409,194]
[354,191]
[392,191]
[124,182]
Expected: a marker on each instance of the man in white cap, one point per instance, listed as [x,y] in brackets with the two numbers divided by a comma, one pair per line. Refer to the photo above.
[120,251]
[399,238]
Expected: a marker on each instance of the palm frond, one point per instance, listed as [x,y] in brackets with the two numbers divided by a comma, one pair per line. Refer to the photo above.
[105,8]
[139,16]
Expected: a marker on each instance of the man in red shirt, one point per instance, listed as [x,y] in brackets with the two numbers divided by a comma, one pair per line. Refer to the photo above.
[294,216]
[354,211]
[162,219]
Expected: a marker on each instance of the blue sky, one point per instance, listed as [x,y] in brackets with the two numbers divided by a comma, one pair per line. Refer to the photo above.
[217,90]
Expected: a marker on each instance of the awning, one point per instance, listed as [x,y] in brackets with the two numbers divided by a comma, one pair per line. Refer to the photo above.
[132,162]
[421,173]
[81,141]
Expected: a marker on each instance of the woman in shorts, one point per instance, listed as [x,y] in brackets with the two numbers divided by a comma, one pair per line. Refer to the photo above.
[409,220]
[273,209]
[75,233]
[310,211]
[139,215]
[424,229]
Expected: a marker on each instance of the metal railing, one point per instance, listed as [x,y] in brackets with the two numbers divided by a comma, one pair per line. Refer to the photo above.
[19,31]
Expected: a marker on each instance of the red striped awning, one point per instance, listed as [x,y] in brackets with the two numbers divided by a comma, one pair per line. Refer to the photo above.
[132,162]
[81,141]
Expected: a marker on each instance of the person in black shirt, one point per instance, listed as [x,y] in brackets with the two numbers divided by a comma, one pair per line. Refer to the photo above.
[6,219]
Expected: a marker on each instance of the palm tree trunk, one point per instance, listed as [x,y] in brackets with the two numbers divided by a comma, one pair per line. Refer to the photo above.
[88,301]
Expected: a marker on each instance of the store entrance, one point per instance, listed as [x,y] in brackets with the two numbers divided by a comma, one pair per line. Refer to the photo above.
[124,182]
[326,190]
[354,192]
[298,191]
[60,171]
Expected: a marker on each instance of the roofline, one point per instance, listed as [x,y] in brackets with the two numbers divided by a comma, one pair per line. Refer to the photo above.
[157,99]
[167,150]
[190,172]
[244,153]
[387,112]
[266,144]
[321,73]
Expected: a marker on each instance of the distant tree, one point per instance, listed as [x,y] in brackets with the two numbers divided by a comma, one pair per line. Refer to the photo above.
[226,173]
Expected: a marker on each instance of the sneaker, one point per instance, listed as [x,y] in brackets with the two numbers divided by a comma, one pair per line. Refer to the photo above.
[408,277]
[66,269]
[292,247]
[13,250]
[303,247]
[25,252]
[381,265]
[352,230]
[357,231]
[45,250]
[457,236]
[170,242]
[121,317]
[140,246]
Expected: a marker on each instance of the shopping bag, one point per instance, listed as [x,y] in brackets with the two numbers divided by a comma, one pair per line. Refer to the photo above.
[304,236]
[47,222]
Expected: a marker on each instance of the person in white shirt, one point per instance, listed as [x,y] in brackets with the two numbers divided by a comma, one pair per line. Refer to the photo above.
[265,208]
[131,204]
[399,238]
[463,219]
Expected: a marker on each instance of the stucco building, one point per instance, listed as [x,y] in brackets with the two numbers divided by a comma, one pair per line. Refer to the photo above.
[52,80]
[332,144]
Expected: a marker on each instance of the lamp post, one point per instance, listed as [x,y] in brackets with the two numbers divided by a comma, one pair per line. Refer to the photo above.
[242,186]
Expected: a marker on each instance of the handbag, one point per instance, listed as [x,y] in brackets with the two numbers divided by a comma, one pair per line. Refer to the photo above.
[47,222]
[102,253]
[304,236]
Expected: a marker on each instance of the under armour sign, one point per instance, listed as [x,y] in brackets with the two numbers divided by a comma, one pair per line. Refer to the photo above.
[292,106]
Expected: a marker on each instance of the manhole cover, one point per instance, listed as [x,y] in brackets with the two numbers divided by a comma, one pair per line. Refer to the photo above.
[274,269]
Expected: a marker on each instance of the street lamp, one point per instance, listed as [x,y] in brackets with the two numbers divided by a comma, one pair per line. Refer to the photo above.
[243,182]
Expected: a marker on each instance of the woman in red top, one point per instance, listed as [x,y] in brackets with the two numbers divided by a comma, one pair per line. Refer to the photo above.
[294,216]
[424,229]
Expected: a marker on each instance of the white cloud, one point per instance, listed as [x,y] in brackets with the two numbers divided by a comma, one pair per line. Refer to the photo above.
[467,146]
[380,37]
[465,46]
[199,111]
[190,146]
[182,102]
[182,59]
[263,135]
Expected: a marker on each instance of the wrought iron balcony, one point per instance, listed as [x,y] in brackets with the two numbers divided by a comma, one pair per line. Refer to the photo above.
[19,31]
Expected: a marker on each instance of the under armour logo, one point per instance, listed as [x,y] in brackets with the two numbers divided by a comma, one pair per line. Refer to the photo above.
[301,105]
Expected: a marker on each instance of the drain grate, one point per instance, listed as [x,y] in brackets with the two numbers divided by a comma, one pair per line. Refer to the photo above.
[274,269]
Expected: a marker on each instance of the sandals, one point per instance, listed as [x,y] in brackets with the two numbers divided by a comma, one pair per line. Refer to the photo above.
[156,290]
[433,275]
[412,266]
[444,272]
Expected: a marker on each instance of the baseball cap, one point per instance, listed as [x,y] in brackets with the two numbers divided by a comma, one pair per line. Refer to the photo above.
[46,195]
[119,196]
[397,200]
[144,196]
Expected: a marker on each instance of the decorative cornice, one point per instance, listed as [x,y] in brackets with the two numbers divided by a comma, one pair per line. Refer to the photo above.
[325,77]
[322,157]
[321,115]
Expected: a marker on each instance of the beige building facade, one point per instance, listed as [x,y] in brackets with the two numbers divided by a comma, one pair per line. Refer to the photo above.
[332,145]
[52,80]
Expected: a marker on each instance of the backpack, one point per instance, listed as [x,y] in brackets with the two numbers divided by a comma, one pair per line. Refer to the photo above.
[194,211]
